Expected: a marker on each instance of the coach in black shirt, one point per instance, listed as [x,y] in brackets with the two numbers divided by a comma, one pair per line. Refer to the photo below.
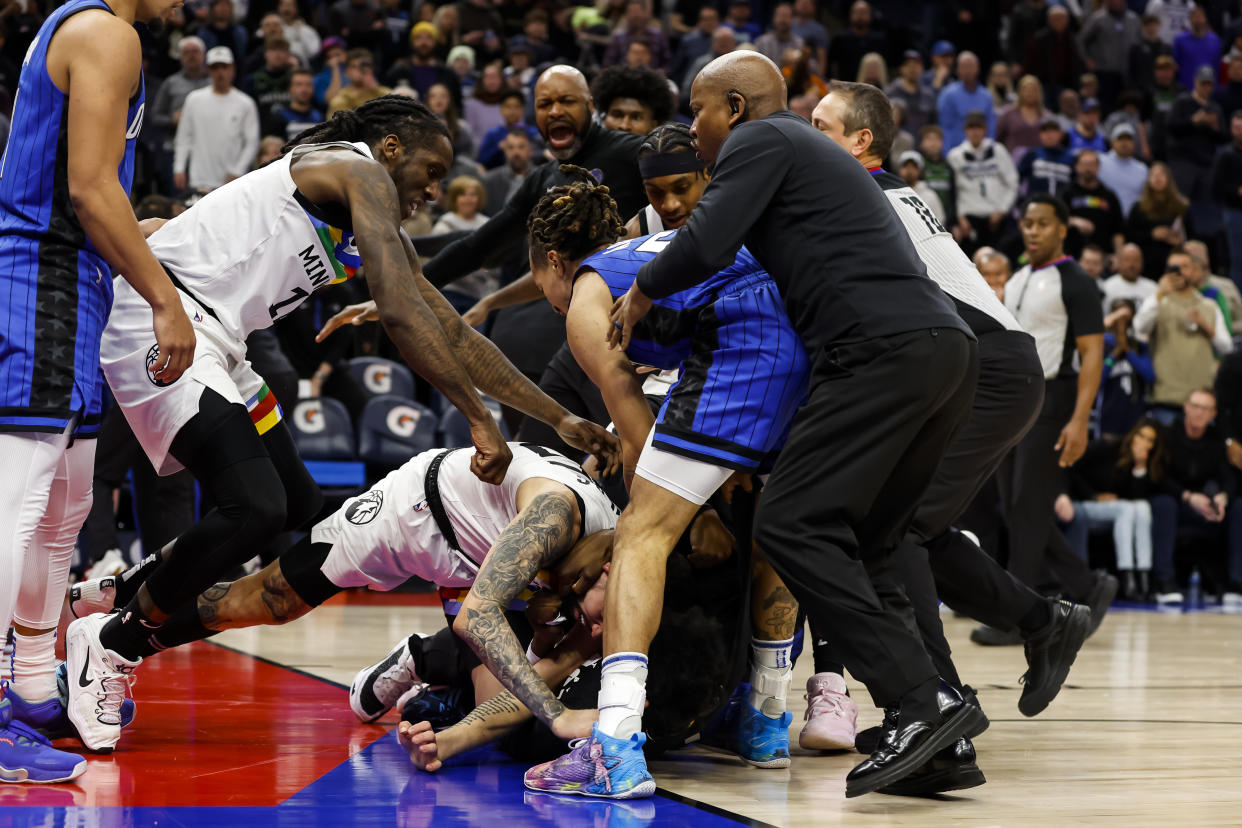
[894,374]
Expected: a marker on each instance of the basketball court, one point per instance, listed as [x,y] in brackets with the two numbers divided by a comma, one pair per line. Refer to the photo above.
[256,730]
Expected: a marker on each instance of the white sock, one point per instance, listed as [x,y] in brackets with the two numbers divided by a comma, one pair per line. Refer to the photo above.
[622,693]
[34,666]
[770,673]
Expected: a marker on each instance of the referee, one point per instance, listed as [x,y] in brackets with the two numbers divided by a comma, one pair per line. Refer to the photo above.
[892,380]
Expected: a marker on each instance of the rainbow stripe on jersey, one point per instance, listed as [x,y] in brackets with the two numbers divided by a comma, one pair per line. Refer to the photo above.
[264,411]
[342,251]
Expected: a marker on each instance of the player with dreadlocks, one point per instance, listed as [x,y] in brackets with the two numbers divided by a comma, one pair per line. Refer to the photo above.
[243,257]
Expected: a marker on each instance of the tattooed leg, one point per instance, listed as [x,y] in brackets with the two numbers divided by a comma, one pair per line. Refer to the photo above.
[774,618]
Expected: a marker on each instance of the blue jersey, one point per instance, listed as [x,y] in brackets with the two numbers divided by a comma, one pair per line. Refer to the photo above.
[58,287]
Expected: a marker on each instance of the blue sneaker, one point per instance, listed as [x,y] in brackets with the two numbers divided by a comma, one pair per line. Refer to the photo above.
[27,756]
[54,721]
[763,741]
[441,706]
[601,766]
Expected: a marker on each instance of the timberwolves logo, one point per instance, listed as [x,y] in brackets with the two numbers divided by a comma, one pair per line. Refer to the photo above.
[365,507]
[153,356]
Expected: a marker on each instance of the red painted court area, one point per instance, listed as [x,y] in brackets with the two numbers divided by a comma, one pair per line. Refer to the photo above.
[215,727]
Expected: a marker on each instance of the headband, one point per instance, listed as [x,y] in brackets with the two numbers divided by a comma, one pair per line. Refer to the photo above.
[670,163]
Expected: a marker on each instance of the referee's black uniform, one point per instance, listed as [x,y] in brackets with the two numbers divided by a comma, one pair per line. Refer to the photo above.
[894,371]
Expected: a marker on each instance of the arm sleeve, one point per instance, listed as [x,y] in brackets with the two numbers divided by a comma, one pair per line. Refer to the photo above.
[1142,365]
[748,174]
[1222,340]
[1082,304]
[502,234]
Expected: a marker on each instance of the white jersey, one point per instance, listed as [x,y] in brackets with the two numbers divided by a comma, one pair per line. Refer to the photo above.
[384,536]
[649,221]
[946,264]
[250,252]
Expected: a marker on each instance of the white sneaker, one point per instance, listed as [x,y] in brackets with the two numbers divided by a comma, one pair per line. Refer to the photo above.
[91,597]
[1167,598]
[1231,600]
[377,688]
[98,682]
[110,564]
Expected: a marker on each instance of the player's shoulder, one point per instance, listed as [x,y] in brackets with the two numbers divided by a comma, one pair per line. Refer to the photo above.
[99,31]
[889,183]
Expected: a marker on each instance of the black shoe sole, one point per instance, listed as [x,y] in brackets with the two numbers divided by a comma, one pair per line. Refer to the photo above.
[967,718]
[1076,631]
[1100,605]
[952,779]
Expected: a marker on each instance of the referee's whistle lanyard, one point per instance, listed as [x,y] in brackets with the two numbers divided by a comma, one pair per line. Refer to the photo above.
[1017,308]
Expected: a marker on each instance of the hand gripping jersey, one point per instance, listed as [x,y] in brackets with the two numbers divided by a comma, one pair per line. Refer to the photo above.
[57,286]
[384,536]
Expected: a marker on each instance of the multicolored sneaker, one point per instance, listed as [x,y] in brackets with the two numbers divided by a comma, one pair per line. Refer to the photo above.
[831,717]
[28,756]
[600,766]
[763,741]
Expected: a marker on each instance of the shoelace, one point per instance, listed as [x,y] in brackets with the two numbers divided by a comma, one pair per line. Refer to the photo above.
[114,688]
[823,702]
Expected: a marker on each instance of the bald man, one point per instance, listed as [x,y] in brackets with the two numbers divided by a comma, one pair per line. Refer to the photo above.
[893,379]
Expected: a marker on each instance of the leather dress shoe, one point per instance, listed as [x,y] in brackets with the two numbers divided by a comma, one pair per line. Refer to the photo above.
[868,740]
[906,748]
[1050,652]
[952,769]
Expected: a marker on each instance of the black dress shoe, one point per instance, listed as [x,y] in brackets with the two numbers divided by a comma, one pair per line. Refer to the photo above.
[1129,586]
[992,637]
[1049,654]
[906,748]
[1100,599]
[952,769]
[869,739]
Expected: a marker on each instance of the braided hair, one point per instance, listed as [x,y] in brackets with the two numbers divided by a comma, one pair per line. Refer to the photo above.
[666,139]
[574,219]
[396,115]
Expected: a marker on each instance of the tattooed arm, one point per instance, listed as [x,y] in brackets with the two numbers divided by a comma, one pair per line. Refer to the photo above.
[544,530]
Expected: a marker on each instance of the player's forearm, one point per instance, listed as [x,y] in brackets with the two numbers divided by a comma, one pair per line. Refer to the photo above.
[105,214]
[488,633]
[1092,356]
[517,292]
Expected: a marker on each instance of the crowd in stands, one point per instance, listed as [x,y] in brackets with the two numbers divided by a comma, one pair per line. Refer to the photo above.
[1128,110]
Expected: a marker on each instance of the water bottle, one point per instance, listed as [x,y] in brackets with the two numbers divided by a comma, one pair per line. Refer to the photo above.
[1194,591]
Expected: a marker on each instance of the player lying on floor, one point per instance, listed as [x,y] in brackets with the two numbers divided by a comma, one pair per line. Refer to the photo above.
[540,529]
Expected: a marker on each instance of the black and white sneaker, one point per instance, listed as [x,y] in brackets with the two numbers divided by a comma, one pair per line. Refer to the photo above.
[377,688]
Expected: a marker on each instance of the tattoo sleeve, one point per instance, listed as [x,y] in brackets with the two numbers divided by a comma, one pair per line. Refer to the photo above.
[538,536]
[209,604]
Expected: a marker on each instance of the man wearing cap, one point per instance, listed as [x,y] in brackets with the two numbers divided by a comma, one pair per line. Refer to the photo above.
[918,98]
[962,96]
[1196,129]
[943,56]
[1048,168]
[1086,131]
[1120,171]
[987,185]
[422,69]
[363,87]
[780,37]
[218,134]
[1197,46]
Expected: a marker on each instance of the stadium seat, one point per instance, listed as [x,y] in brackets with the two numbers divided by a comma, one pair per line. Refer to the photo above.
[382,376]
[455,429]
[324,437]
[393,429]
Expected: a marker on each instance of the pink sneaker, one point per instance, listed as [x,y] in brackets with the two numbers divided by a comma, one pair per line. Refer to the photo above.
[831,718]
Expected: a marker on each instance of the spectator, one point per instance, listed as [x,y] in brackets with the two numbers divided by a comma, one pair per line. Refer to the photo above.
[535,30]
[943,59]
[1019,126]
[1200,497]
[812,32]
[1182,328]
[482,110]
[1128,375]
[1027,19]
[165,111]
[1216,287]
[1000,84]
[738,19]
[1092,262]
[1095,211]
[447,22]
[1142,58]
[1199,275]
[872,70]
[421,69]
[799,79]
[908,87]
[637,25]
[332,78]
[1157,220]
[1088,86]
[903,141]
[1068,108]
[1174,17]
[1163,91]
[270,147]
[994,267]
[723,42]
[1196,127]
[520,73]
[987,184]
[804,105]
[1106,38]
[781,36]
[299,114]
[512,109]
[1120,171]
[632,99]
[1226,180]
[1053,55]
[500,183]
[962,96]
[218,134]
[694,45]
[465,200]
[481,26]
[937,172]
[269,86]
[363,87]
[910,168]
[1229,94]
[440,101]
[358,21]
[1085,134]
[304,41]
[1128,282]
[460,62]
[1195,48]
[222,30]
[1049,168]
[269,29]
[846,50]
[1129,112]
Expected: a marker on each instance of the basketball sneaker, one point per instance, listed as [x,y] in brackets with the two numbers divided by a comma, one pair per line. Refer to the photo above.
[28,756]
[376,688]
[92,596]
[58,727]
[831,717]
[440,706]
[98,681]
[600,766]
[110,564]
[761,740]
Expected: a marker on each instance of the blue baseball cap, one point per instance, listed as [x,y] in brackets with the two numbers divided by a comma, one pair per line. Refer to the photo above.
[943,47]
